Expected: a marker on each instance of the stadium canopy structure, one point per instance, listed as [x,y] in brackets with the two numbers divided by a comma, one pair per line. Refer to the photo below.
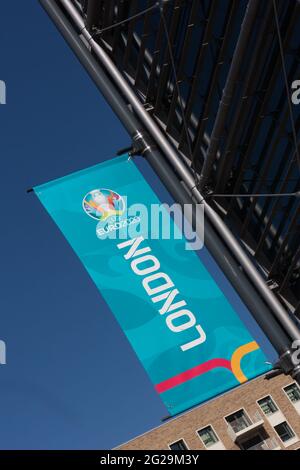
[204,89]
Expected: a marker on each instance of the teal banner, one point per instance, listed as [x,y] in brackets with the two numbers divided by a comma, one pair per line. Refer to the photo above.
[185,332]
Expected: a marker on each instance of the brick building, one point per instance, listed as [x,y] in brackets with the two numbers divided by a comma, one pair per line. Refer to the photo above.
[259,415]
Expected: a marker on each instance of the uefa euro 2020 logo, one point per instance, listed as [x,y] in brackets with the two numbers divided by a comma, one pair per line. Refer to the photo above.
[108,208]
[103,204]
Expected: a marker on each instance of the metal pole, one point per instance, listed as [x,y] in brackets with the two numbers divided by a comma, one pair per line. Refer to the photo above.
[185,174]
[89,63]
[228,90]
[227,263]
[92,10]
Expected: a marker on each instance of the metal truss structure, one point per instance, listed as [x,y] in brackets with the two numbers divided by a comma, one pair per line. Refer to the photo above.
[256,152]
[207,85]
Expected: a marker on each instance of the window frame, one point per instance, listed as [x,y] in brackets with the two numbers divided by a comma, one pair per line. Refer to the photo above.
[175,442]
[236,411]
[285,393]
[286,422]
[276,405]
[214,431]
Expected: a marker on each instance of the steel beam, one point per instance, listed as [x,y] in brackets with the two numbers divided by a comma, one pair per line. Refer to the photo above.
[228,90]
[271,326]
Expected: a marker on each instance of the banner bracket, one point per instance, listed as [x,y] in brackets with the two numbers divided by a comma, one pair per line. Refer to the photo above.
[124,150]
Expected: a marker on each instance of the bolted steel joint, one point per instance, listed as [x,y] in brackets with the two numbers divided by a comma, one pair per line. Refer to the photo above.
[287,366]
[141,143]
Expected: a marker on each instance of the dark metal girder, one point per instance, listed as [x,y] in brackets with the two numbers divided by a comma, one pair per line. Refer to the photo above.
[239,161]
[219,124]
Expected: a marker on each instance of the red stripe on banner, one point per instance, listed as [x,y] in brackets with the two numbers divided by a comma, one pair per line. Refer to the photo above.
[191,373]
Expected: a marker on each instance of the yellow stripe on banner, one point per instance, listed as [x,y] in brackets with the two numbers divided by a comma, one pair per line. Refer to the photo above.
[236,358]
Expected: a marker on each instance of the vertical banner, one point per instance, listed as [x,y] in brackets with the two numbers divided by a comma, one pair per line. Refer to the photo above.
[183,329]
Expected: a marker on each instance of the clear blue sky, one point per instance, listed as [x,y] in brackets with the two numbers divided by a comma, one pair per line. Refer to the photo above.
[71,379]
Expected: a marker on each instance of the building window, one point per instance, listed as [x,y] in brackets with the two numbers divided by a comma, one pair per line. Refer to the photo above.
[267,405]
[238,420]
[292,392]
[178,445]
[208,436]
[284,431]
[254,443]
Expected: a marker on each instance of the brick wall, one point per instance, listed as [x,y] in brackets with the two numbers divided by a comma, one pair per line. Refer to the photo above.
[213,413]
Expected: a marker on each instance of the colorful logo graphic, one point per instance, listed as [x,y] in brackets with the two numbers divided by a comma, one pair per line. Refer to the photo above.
[101,204]
[233,365]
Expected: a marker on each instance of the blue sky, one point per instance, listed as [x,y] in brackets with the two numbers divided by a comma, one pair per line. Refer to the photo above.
[71,379]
